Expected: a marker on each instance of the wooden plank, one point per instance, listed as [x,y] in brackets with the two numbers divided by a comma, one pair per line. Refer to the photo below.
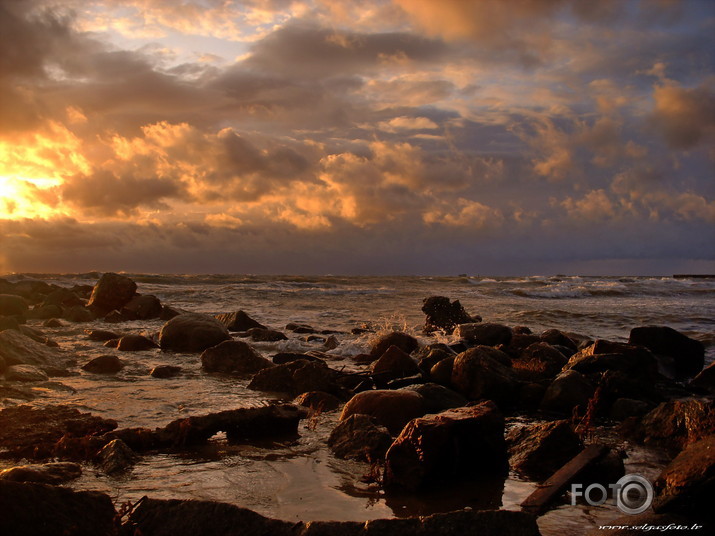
[557,483]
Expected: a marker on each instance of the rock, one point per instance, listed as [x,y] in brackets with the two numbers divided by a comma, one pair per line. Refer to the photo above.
[538,450]
[112,343]
[78,314]
[539,361]
[233,356]
[112,291]
[705,380]
[167,313]
[394,363]
[33,433]
[604,355]
[568,390]
[9,322]
[45,312]
[455,444]
[606,470]
[18,349]
[406,343]
[437,398]
[331,343]
[62,297]
[487,334]
[686,485]
[192,332]
[299,328]
[318,401]
[688,354]
[266,335]
[530,396]
[677,423]
[238,321]
[360,437]
[239,424]
[520,342]
[295,378]
[104,364]
[281,358]
[48,473]
[442,372]
[143,307]
[478,374]
[11,305]
[392,409]
[52,323]
[430,355]
[34,509]
[101,335]
[165,371]
[116,317]
[624,408]
[135,343]
[25,373]
[443,315]
[554,337]
[116,457]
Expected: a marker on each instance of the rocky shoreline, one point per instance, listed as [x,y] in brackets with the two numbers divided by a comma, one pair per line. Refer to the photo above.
[424,416]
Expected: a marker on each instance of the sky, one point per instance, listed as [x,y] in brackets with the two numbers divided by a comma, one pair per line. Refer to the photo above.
[376,137]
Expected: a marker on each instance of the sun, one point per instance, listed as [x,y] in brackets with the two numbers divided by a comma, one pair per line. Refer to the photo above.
[18,198]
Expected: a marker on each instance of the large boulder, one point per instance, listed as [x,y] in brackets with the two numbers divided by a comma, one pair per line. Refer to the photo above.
[394,363]
[112,291]
[436,397]
[688,355]
[360,437]
[238,321]
[538,361]
[480,373]
[192,332]
[687,485]
[18,349]
[34,509]
[295,378]
[143,307]
[233,356]
[444,315]
[11,305]
[406,343]
[538,450]
[455,444]
[603,355]
[47,473]
[392,409]
[487,334]
[568,390]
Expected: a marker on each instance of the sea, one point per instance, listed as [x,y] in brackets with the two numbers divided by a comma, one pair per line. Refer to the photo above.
[298,478]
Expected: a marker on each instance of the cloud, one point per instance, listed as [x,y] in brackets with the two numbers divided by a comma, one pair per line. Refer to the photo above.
[685,117]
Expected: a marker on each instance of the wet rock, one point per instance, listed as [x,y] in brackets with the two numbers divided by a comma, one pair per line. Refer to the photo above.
[444,315]
[331,343]
[45,312]
[392,409]
[430,355]
[538,361]
[676,423]
[688,354]
[143,307]
[167,313]
[455,444]
[488,334]
[394,363]
[556,337]
[165,371]
[135,343]
[15,392]
[604,355]
[34,509]
[18,349]
[25,373]
[112,291]
[233,356]
[295,378]
[11,305]
[686,485]
[540,449]
[9,322]
[101,335]
[47,473]
[520,342]
[116,457]
[62,297]
[266,335]
[34,432]
[437,398]
[318,401]
[116,317]
[360,437]
[34,334]
[568,390]
[238,321]
[442,372]
[406,343]
[239,424]
[104,364]
[112,343]
[705,380]
[300,328]
[77,314]
[530,395]
[479,374]
[623,408]
[192,332]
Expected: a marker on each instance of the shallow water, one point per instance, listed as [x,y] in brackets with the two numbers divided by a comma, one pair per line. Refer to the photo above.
[298,478]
